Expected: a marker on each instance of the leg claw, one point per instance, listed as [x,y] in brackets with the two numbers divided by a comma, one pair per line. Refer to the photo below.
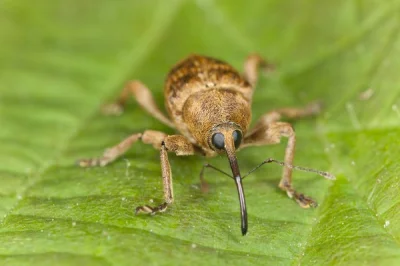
[305,202]
[112,109]
[314,108]
[151,210]
[301,199]
[88,162]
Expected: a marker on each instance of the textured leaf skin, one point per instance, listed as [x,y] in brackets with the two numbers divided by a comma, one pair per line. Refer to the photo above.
[61,60]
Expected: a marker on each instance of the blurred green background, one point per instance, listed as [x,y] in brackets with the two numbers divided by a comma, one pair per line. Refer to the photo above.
[61,60]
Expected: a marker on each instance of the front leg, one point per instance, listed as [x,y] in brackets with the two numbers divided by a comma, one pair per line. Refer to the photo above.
[272,133]
[175,143]
[167,185]
[181,146]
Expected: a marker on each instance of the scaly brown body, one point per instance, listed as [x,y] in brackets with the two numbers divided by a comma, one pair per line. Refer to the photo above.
[201,92]
[209,103]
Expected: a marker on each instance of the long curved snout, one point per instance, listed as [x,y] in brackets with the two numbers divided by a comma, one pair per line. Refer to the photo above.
[230,152]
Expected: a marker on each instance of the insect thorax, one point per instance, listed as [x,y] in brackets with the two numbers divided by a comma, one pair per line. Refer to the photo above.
[206,109]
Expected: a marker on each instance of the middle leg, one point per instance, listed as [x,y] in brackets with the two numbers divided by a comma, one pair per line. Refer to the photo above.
[265,120]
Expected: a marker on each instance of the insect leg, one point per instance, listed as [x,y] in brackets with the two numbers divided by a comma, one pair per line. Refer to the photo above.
[167,186]
[111,154]
[251,66]
[175,143]
[291,113]
[143,96]
[181,146]
[271,134]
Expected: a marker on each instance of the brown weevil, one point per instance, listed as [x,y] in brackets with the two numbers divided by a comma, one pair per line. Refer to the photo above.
[209,103]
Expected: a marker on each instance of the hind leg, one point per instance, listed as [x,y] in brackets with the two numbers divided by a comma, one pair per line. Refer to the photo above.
[143,96]
[252,65]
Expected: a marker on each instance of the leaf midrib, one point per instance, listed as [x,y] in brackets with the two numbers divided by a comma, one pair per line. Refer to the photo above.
[162,19]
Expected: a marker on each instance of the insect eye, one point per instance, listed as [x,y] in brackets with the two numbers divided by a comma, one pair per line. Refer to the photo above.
[237,138]
[218,141]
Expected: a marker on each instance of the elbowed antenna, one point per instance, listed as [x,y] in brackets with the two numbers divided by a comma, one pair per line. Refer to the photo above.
[327,175]
[230,151]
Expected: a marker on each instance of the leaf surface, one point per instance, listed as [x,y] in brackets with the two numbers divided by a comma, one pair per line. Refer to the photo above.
[61,60]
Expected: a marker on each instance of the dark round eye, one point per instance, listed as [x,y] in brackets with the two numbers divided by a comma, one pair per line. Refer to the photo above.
[237,138]
[218,141]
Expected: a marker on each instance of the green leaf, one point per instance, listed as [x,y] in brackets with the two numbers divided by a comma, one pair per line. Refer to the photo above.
[61,60]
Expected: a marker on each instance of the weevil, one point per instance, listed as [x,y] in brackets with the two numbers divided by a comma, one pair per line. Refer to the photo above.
[209,103]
